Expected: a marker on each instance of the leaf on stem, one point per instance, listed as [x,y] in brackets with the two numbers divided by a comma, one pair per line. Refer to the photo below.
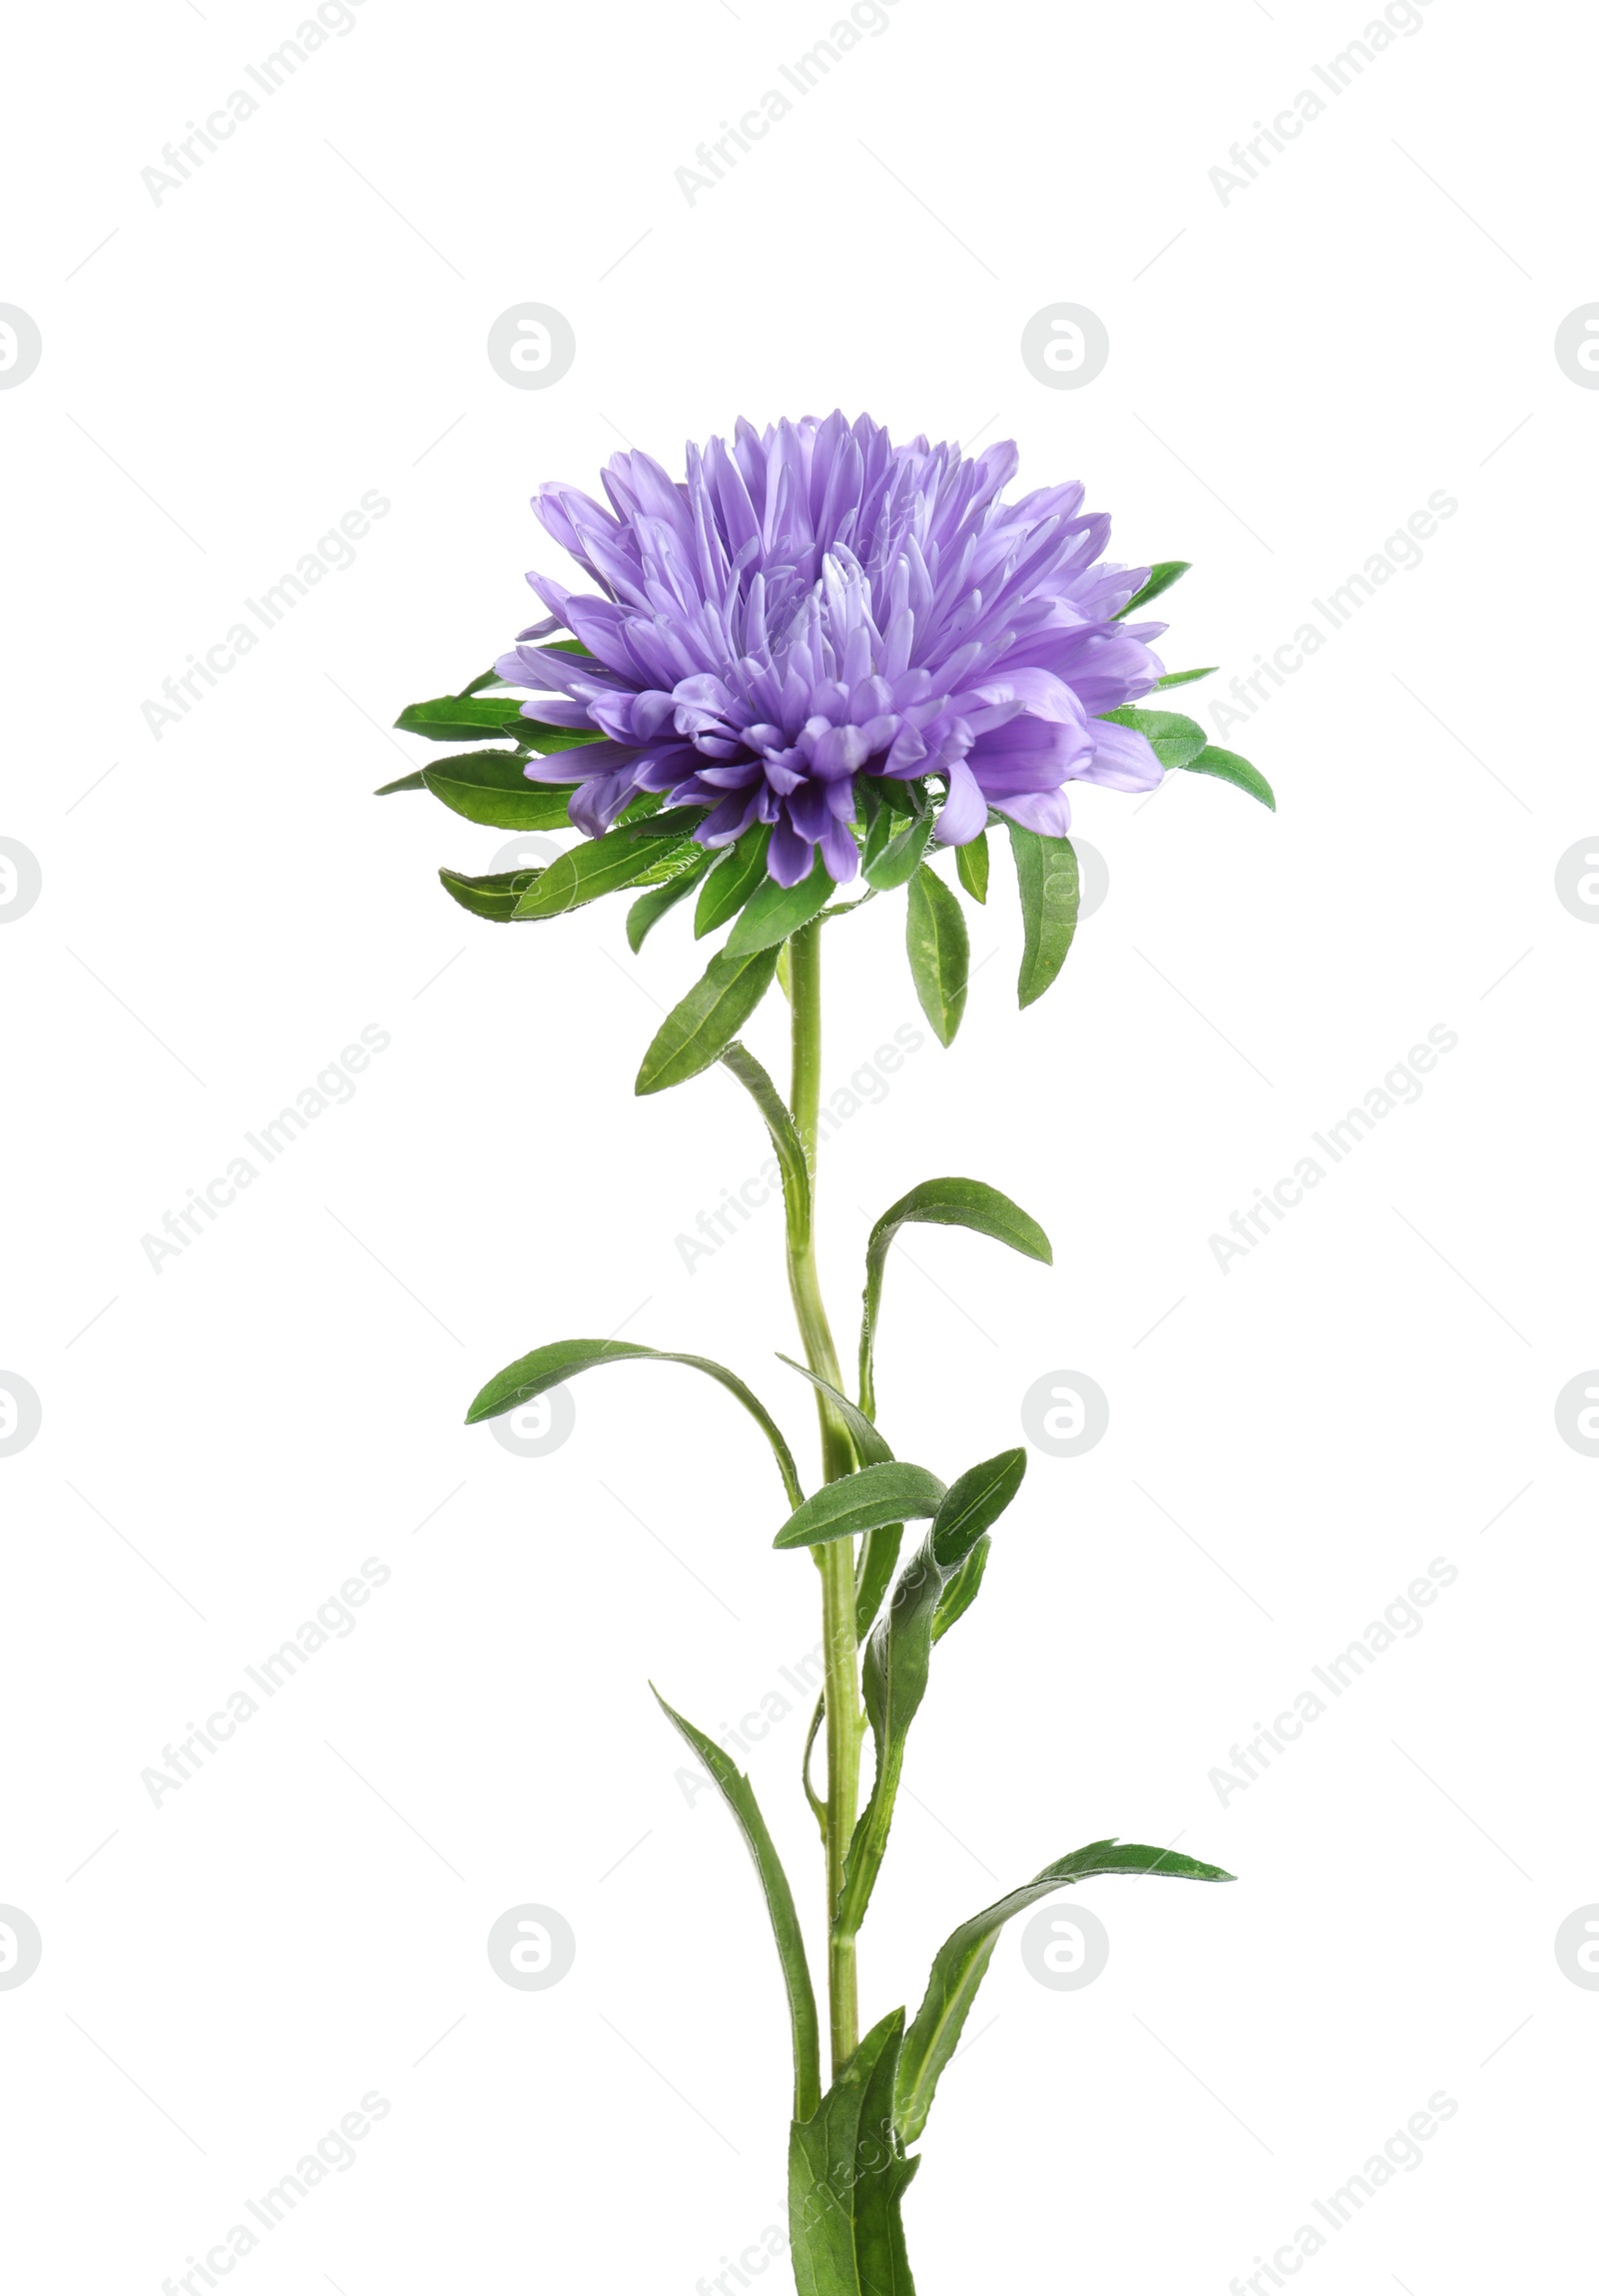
[1226,765]
[486,718]
[1175,740]
[648,910]
[900,857]
[739,1795]
[1163,575]
[847,2177]
[941,1204]
[960,1964]
[939,953]
[700,1028]
[1046,879]
[594,867]
[895,1491]
[773,912]
[489,786]
[972,865]
[899,1658]
[740,870]
[563,1360]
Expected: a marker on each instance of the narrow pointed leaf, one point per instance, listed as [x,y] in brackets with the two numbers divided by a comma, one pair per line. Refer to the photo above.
[648,910]
[1046,879]
[961,1961]
[961,1590]
[406,782]
[488,717]
[699,1029]
[847,2178]
[895,1492]
[901,855]
[596,867]
[489,786]
[972,865]
[1175,740]
[740,1062]
[1161,576]
[741,869]
[941,1203]
[1228,767]
[739,1795]
[973,1503]
[899,1654]
[775,911]
[939,953]
[496,897]
[563,1360]
[880,1549]
[870,1448]
[1184,676]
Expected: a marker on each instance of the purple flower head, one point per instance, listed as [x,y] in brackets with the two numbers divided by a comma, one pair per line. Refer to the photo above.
[813,605]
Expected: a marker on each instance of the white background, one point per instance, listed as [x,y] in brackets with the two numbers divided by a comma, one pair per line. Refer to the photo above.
[1293,373]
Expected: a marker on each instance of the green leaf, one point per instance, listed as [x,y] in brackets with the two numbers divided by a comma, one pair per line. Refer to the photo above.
[847,2178]
[740,1062]
[1046,879]
[895,1491]
[973,1503]
[941,1203]
[493,896]
[939,953]
[775,911]
[563,1360]
[489,786]
[961,1590]
[1228,768]
[594,867]
[960,1964]
[899,1654]
[739,1795]
[700,1028]
[900,859]
[741,869]
[406,782]
[648,910]
[972,865]
[1176,740]
[1161,577]
[484,717]
[870,1448]
[1184,676]
[880,1549]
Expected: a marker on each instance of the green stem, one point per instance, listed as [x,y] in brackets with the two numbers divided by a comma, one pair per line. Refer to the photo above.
[835,1561]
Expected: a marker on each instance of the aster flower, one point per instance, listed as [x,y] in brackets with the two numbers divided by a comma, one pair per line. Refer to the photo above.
[813,608]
